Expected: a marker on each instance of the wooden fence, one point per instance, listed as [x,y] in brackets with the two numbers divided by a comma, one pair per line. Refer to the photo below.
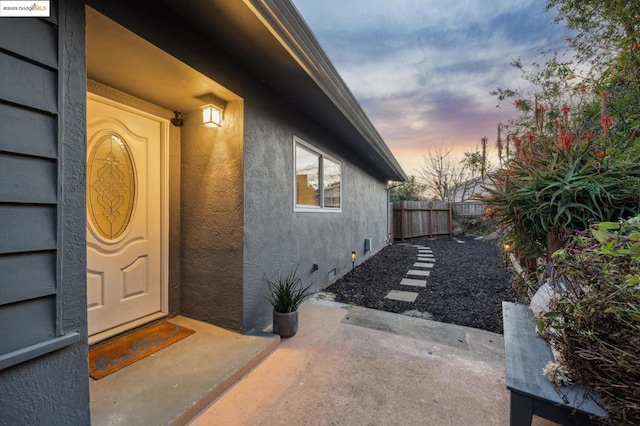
[468,209]
[411,219]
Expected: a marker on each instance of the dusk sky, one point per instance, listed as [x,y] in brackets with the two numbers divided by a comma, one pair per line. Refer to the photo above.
[423,70]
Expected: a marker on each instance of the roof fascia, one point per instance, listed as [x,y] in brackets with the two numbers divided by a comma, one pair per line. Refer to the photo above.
[285,23]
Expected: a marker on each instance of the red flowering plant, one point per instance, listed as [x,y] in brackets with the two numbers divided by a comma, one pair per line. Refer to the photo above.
[575,187]
[556,189]
[567,161]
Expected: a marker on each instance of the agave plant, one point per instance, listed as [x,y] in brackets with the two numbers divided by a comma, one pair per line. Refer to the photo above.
[557,190]
[286,292]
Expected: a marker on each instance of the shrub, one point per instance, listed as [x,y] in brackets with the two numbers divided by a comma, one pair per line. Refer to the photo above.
[596,325]
[556,189]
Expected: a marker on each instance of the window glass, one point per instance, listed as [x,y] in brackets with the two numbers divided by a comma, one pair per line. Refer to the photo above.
[318,184]
[307,177]
[331,183]
[111,187]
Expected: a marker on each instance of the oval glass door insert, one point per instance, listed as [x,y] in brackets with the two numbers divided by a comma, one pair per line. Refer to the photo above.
[111,186]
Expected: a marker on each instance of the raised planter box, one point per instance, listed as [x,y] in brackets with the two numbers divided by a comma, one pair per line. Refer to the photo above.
[526,355]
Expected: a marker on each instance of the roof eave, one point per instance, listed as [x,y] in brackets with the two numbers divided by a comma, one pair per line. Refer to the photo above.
[286,24]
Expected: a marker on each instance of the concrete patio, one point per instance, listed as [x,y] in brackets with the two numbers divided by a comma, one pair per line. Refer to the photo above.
[357,366]
[176,383]
[347,365]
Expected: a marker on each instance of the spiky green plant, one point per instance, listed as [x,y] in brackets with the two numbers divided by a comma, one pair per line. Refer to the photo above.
[286,292]
[558,190]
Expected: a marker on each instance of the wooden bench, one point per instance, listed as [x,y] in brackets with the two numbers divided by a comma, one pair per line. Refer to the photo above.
[526,355]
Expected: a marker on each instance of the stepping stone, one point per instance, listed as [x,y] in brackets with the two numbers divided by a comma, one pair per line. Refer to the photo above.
[417,273]
[429,256]
[425,252]
[402,296]
[458,241]
[426,259]
[423,265]
[413,283]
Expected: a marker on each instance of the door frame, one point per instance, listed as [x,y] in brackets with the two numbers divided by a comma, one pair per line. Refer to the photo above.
[164,220]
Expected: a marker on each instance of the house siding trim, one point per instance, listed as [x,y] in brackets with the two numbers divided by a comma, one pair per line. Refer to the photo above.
[29,196]
[44,373]
[37,350]
[31,202]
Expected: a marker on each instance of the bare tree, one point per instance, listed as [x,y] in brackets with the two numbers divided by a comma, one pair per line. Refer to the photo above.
[446,178]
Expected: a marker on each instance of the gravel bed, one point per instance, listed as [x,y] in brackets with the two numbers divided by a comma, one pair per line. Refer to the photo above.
[466,286]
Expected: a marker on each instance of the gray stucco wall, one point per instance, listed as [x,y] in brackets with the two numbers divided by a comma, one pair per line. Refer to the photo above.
[233,236]
[212,212]
[50,390]
[278,239]
[54,388]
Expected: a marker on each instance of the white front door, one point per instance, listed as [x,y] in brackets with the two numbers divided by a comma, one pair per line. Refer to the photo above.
[125,274]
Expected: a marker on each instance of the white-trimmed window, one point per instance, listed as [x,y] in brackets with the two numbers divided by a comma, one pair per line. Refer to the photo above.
[318,179]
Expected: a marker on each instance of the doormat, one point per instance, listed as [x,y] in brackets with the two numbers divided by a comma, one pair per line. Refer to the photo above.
[111,357]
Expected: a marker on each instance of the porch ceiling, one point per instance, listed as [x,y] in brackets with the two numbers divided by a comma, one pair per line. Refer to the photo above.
[113,58]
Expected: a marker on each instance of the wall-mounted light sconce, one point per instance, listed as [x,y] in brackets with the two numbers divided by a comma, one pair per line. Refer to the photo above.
[211,116]
[212,110]
[353,259]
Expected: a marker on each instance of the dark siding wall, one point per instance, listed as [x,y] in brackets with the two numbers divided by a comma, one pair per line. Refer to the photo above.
[28,190]
[43,349]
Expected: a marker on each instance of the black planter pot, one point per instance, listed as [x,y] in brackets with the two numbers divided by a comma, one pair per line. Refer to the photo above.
[285,324]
